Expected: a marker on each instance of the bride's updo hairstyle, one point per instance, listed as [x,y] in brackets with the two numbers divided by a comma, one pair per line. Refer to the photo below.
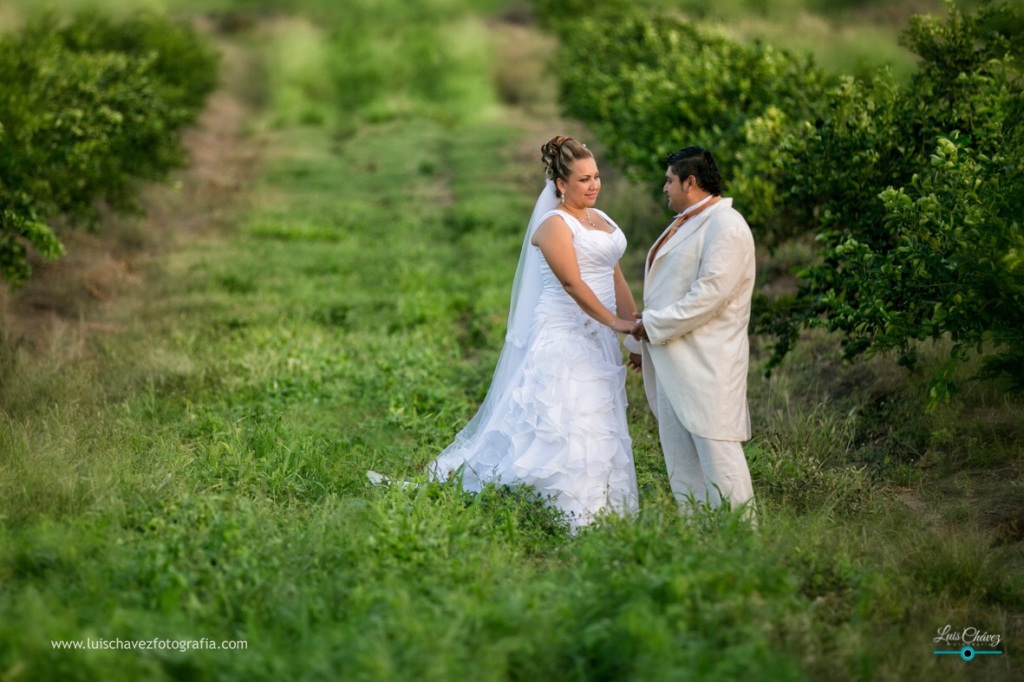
[558,155]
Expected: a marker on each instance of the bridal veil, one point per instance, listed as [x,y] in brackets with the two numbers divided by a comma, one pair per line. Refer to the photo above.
[526,290]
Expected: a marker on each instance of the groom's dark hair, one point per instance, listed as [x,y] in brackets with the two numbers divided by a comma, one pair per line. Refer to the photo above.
[699,163]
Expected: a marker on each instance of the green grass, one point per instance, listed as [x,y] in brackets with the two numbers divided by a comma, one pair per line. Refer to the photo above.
[202,473]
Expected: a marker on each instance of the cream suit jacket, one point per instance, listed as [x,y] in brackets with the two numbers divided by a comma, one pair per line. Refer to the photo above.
[696,312]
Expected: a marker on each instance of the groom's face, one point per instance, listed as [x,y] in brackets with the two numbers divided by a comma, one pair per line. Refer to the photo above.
[677,191]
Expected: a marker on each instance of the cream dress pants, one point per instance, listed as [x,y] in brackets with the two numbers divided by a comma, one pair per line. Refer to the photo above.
[707,469]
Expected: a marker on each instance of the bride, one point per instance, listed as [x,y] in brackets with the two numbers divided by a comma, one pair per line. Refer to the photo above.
[555,415]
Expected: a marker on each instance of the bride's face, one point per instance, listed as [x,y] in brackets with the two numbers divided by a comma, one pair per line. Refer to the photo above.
[584,184]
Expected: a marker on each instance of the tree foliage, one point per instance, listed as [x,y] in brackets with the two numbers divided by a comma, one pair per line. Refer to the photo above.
[88,108]
[649,84]
[911,191]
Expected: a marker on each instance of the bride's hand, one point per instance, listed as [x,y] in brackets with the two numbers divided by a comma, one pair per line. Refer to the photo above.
[624,326]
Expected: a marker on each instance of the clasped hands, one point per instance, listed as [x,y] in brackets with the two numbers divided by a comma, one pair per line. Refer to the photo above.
[639,331]
[636,330]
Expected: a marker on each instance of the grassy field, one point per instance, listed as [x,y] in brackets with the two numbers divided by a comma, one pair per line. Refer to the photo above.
[183,450]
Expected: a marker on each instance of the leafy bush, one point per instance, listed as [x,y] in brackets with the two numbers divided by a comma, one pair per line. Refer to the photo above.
[809,156]
[649,84]
[917,242]
[182,60]
[957,267]
[88,109]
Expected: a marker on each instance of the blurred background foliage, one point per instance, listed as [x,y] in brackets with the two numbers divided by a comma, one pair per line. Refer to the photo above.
[809,154]
[90,107]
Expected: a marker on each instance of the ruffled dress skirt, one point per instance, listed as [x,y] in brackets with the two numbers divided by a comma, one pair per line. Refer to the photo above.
[560,428]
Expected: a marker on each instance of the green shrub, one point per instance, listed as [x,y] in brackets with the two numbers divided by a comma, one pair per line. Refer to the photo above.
[914,193]
[807,156]
[182,60]
[88,110]
[650,84]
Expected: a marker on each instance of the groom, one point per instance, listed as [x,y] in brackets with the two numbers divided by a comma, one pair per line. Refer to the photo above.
[697,287]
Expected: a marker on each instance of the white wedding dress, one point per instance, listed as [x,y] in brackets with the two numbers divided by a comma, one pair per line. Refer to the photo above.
[556,421]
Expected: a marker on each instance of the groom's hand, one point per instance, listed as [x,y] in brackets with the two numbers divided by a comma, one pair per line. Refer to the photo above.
[639,333]
[636,362]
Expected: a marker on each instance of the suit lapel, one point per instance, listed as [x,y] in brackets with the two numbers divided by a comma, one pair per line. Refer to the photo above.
[688,228]
[648,262]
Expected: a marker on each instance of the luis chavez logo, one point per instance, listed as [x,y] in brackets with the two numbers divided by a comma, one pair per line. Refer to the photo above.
[968,640]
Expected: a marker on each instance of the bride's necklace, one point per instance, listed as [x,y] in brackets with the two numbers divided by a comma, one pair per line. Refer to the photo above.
[586,215]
